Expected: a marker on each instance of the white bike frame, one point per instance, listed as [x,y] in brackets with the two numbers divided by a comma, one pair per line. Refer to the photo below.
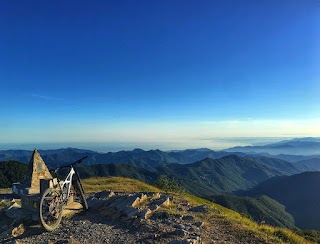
[67,182]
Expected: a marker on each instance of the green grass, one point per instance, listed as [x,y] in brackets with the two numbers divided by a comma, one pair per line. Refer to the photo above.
[117,184]
[4,204]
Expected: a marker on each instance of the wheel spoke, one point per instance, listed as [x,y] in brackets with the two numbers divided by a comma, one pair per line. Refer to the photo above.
[50,209]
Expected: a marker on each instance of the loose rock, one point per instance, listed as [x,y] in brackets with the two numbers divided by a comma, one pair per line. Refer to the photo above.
[18,231]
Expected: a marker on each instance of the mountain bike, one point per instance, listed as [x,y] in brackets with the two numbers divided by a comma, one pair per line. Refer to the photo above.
[54,199]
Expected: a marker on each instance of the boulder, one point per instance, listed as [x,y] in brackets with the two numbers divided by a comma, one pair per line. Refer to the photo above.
[199,224]
[163,201]
[104,194]
[145,213]
[199,209]
[95,203]
[188,218]
[130,212]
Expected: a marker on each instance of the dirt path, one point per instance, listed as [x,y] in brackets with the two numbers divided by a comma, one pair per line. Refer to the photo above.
[83,228]
[91,227]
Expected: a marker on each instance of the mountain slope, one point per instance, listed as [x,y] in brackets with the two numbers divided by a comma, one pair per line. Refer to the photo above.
[300,195]
[262,209]
[311,162]
[226,175]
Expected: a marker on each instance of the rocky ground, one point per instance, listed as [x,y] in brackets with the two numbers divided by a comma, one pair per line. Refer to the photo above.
[131,218]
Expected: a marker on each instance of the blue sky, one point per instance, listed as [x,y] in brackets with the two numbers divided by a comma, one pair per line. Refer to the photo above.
[158,71]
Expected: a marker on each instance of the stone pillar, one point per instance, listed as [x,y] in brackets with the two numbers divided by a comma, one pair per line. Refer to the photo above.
[36,171]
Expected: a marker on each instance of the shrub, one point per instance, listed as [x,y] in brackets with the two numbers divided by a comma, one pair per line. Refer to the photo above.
[168,184]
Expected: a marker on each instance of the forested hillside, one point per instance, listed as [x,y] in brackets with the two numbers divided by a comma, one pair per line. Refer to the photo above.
[262,209]
[299,193]
[10,172]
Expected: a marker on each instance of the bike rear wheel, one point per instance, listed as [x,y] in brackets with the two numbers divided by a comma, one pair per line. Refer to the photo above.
[79,189]
[50,209]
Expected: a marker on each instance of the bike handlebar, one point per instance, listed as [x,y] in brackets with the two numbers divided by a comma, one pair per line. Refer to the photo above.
[69,165]
[79,160]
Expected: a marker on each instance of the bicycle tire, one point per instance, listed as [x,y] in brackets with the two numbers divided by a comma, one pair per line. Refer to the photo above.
[79,189]
[48,210]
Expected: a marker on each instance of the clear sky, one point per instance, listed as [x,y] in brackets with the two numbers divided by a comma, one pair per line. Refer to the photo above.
[158,71]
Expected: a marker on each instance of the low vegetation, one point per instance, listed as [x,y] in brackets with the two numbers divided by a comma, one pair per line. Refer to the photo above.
[4,204]
[311,235]
[168,184]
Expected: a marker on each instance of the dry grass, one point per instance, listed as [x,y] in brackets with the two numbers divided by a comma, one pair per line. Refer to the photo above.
[5,190]
[117,184]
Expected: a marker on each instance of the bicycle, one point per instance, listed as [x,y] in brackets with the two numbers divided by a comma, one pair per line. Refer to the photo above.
[54,199]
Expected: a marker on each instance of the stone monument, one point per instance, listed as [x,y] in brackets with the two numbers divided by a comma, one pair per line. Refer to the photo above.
[36,171]
[29,188]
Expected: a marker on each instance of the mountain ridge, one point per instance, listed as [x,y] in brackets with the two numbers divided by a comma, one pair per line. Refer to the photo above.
[296,146]
[227,174]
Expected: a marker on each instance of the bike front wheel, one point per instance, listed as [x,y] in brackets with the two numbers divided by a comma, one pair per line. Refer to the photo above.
[50,209]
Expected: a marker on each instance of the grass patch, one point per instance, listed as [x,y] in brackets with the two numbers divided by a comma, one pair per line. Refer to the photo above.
[4,204]
[171,209]
[117,184]
[5,190]
[311,235]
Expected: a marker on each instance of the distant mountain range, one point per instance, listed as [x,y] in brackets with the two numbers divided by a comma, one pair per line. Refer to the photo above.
[137,157]
[298,146]
[301,150]
[299,193]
